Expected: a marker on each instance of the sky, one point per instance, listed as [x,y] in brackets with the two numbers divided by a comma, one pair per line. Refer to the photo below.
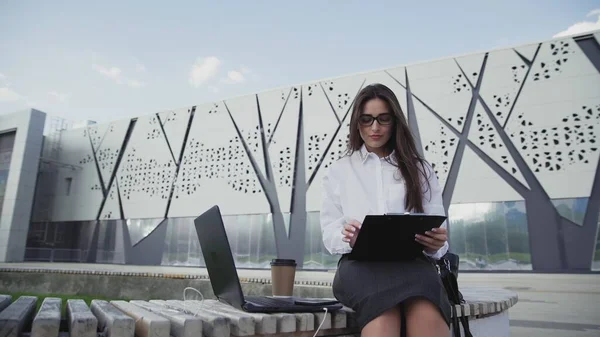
[110,60]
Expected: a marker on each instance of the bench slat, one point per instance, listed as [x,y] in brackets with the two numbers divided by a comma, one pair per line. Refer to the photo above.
[264,324]
[82,322]
[5,301]
[47,321]
[16,315]
[182,325]
[240,324]
[212,325]
[147,323]
[110,319]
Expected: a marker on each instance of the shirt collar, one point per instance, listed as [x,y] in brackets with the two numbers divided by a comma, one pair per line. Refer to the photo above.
[365,154]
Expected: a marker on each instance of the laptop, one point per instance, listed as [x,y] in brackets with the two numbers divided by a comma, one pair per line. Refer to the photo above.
[224,278]
[391,237]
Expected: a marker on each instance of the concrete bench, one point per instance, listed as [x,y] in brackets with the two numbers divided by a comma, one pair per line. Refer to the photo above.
[486,309]
[47,321]
[15,317]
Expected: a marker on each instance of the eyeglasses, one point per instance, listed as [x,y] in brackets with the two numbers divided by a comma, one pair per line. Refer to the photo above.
[382,119]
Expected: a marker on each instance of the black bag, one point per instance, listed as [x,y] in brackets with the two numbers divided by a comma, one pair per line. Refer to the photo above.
[448,269]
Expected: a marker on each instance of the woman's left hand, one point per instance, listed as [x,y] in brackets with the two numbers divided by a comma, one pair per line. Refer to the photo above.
[433,240]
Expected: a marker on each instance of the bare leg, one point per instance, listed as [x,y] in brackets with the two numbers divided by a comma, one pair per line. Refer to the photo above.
[386,324]
[423,319]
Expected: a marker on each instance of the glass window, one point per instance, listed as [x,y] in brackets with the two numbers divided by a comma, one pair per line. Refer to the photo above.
[7,141]
[490,236]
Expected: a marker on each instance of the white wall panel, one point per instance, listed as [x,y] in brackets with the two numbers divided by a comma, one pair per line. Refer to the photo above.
[111,209]
[147,171]
[215,169]
[175,123]
[320,124]
[107,151]
[559,142]
[477,182]
[528,51]
[399,73]
[439,143]
[271,108]
[282,150]
[503,76]
[442,86]
[341,92]
[555,122]
[78,192]
[385,79]
[471,65]
[484,135]
[245,114]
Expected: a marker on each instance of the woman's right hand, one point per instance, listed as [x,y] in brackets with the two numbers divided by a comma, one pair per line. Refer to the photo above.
[350,232]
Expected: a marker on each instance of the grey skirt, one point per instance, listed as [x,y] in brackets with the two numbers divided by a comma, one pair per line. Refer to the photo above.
[371,288]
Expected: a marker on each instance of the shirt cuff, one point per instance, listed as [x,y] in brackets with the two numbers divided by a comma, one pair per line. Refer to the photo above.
[439,253]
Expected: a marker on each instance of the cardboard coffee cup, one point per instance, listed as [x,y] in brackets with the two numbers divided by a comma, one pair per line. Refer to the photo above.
[283,273]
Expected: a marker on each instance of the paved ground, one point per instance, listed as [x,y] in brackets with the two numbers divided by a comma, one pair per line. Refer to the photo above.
[550,305]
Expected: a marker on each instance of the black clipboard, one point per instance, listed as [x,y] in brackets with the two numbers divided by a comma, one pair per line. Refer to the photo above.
[391,237]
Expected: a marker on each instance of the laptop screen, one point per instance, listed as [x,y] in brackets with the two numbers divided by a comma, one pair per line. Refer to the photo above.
[218,257]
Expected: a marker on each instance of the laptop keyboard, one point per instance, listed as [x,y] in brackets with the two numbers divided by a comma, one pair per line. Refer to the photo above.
[270,302]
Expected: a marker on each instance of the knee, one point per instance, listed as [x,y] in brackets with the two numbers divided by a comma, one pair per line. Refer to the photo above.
[422,310]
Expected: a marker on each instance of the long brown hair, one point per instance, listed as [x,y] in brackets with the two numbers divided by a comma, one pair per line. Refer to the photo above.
[407,159]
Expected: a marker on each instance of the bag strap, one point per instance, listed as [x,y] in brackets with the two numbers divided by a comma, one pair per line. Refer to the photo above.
[453,287]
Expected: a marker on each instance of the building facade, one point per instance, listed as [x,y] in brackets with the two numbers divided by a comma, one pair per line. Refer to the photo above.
[511,133]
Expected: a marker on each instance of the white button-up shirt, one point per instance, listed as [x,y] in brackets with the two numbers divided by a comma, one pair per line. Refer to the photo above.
[365,184]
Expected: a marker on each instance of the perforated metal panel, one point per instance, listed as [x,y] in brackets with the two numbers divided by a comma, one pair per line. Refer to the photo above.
[443,87]
[215,169]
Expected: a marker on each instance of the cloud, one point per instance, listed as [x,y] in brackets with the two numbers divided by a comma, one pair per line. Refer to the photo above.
[2,77]
[59,96]
[203,70]
[136,83]
[140,68]
[213,89]
[9,95]
[583,26]
[116,74]
[235,76]
[112,72]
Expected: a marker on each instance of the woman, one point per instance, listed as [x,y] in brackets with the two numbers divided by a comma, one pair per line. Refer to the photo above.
[384,173]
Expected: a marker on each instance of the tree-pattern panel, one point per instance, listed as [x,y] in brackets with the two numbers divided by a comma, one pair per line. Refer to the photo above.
[338,149]
[399,73]
[390,82]
[442,86]
[527,51]
[477,182]
[271,107]
[554,125]
[107,151]
[175,123]
[282,151]
[471,65]
[78,191]
[245,114]
[559,143]
[439,143]
[111,209]
[504,74]
[147,171]
[320,124]
[215,169]
[341,92]
[484,135]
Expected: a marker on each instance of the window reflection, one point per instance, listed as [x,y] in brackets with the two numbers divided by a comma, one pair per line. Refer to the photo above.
[490,236]
[487,236]
[7,140]
[596,262]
